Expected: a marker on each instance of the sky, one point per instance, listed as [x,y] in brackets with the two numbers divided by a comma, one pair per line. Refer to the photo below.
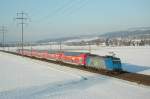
[65,18]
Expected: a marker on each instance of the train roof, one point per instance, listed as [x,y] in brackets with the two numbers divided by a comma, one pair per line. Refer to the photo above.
[73,53]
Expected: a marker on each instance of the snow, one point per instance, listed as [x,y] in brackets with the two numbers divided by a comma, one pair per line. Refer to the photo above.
[24,78]
[82,39]
[133,58]
[22,73]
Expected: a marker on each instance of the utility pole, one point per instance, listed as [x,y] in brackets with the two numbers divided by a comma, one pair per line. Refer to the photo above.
[89,47]
[31,48]
[22,16]
[60,47]
[50,46]
[3,31]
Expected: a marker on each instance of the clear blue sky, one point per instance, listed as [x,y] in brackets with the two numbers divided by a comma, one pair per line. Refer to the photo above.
[60,18]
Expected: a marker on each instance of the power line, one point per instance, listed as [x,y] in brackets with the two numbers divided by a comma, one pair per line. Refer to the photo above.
[22,16]
[3,31]
[56,11]
[81,4]
[73,7]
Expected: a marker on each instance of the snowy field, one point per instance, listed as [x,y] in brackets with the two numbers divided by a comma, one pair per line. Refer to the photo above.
[24,78]
[134,58]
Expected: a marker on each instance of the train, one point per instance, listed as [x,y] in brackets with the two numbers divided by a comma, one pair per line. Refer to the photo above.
[110,63]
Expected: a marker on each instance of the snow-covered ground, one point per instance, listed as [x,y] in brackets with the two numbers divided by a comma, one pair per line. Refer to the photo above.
[134,58]
[24,78]
[82,39]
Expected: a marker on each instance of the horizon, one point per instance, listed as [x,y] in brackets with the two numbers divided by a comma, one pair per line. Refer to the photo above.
[65,18]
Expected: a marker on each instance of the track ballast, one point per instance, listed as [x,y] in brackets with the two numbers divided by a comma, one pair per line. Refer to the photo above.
[124,75]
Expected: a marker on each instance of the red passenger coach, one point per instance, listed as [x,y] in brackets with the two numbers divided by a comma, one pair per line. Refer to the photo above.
[26,52]
[74,58]
[43,54]
[77,58]
[34,53]
[54,56]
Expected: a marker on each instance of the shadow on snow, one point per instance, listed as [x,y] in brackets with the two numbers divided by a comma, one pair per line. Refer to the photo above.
[53,89]
[134,68]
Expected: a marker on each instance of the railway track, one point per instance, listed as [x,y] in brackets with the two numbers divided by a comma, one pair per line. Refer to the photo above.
[124,75]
